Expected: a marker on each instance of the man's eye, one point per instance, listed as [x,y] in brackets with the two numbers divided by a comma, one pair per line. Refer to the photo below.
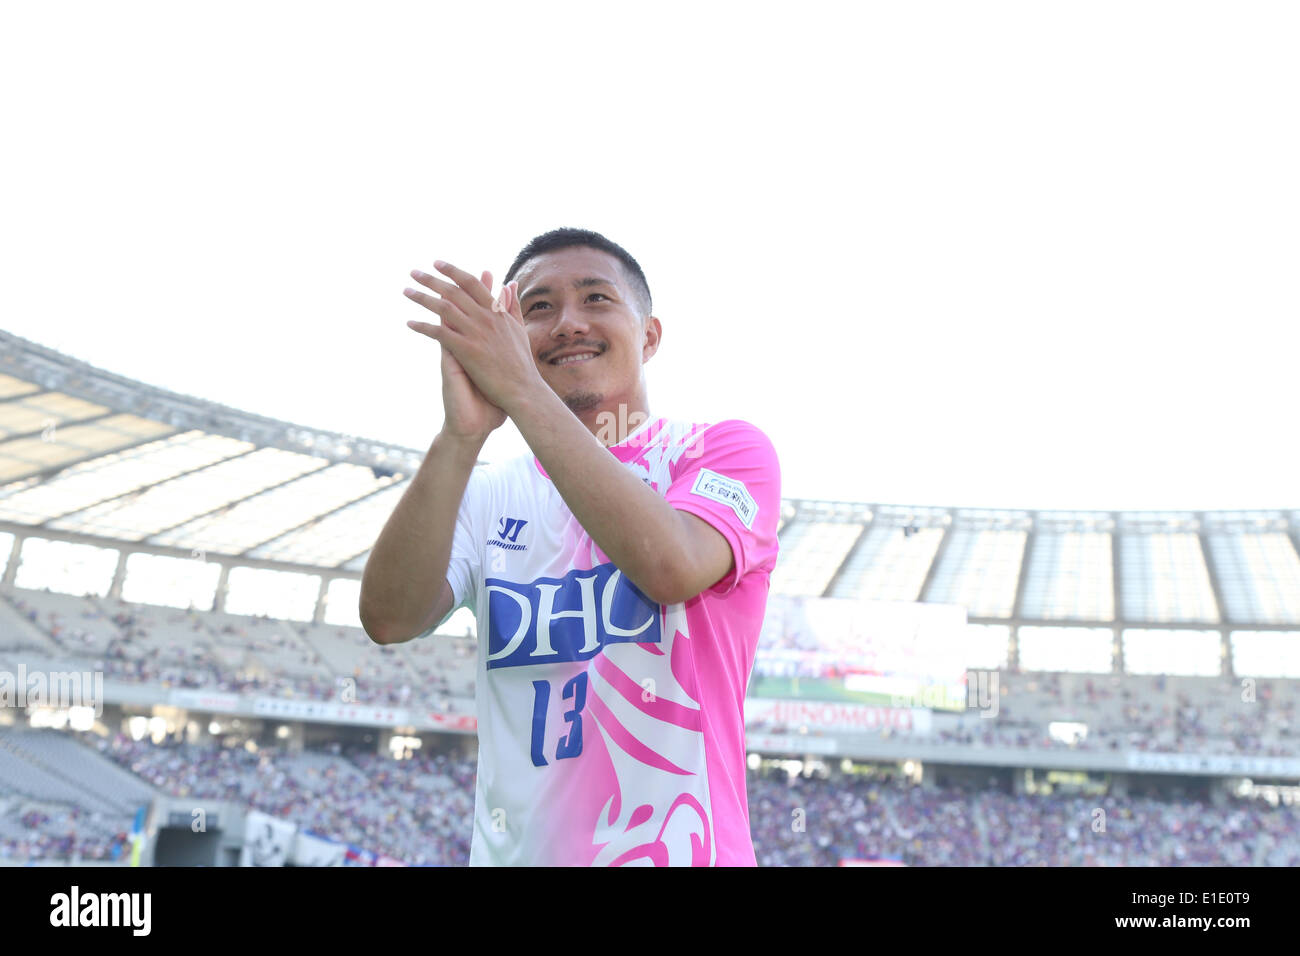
[533,306]
[599,295]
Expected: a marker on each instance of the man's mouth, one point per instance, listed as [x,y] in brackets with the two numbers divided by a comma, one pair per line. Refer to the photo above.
[573,358]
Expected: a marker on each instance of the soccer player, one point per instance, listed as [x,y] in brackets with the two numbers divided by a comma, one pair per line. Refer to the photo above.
[618,574]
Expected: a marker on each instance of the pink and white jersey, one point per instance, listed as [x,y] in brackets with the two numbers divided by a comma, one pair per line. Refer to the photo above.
[611,729]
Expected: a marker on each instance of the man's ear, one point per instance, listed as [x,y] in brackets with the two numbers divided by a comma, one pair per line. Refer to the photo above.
[654,332]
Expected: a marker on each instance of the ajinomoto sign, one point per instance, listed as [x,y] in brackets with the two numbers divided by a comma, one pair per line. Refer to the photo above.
[835,716]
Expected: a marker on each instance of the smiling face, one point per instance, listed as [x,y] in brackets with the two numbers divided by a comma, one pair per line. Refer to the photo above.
[586,330]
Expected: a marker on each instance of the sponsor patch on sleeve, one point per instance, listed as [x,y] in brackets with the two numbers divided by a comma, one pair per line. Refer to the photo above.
[734,494]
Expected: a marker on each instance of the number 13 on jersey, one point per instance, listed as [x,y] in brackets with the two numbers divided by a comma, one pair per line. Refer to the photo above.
[570,745]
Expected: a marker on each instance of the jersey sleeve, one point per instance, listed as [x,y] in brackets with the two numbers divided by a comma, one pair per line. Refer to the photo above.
[466,564]
[729,476]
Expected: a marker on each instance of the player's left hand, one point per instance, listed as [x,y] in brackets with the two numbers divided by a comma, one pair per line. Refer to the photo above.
[490,345]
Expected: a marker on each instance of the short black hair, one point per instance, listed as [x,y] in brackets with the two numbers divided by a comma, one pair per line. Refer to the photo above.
[567,238]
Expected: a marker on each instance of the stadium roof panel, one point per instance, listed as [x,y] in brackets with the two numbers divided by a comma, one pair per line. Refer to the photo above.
[1259,575]
[979,570]
[813,552]
[202,486]
[905,516]
[890,563]
[11,387]
[1151,522]
[333,539]
[1165,578]
[57,446]
[41,411]
[1070,577]
[245,524]
[1084,521]
[1244,521]
[112,477]
[358,563]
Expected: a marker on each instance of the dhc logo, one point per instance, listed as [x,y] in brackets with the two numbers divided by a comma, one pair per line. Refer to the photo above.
[566,619]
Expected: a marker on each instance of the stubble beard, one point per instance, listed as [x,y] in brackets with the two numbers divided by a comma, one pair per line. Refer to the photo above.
[579,402]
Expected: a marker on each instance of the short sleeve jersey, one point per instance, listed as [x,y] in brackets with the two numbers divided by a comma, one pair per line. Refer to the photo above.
[611,728]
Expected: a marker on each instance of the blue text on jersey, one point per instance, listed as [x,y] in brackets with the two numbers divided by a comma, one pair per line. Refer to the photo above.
[551,620]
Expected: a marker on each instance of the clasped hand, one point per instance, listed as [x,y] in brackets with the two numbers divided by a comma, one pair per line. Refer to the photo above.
[492,346]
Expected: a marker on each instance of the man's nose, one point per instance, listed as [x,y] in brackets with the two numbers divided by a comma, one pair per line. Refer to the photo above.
[569,322]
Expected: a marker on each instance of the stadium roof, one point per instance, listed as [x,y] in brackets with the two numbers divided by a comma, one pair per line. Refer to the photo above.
[89,456]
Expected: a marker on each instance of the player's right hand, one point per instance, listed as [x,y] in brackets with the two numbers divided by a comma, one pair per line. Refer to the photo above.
[468,414]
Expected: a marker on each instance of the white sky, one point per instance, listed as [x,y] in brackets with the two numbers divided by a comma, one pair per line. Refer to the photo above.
[991,254]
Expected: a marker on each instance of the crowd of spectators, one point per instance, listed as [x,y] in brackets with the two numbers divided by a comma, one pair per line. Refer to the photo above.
[415,810]
[420,811]
[1219,715]
[59,832]
[198,652]
[812,821]
[190,649]
[1102,739]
